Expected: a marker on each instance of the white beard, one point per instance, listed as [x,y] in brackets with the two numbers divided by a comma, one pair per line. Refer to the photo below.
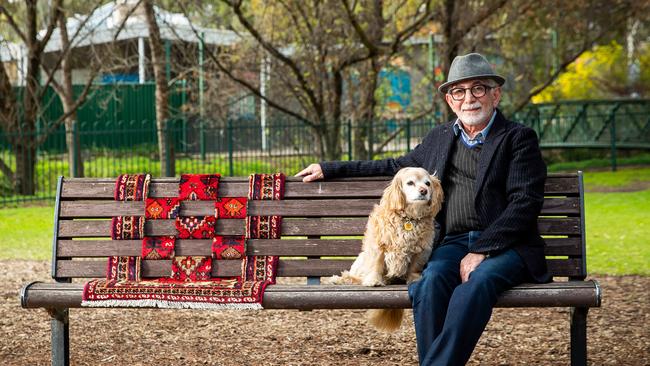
[473,118]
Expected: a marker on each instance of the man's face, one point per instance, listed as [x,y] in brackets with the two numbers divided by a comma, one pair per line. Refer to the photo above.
[471,110]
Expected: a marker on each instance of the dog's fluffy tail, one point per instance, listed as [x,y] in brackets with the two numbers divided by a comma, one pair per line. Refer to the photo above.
[386,320]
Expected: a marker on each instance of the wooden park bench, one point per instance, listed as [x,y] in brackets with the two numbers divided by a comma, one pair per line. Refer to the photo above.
[325,219]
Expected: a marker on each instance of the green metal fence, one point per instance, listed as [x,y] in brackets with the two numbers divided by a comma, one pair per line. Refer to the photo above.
[112,147]
[235,149]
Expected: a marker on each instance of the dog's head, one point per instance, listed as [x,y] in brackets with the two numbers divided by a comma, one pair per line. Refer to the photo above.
[413,187]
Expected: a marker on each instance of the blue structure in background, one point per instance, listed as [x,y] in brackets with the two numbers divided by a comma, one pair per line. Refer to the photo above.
[119,78]
[399,97]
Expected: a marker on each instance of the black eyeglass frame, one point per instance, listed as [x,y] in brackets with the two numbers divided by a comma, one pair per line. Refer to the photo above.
[487,87]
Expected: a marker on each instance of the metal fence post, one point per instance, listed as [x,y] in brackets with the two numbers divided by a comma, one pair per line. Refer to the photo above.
[408,134]
[229,134]
[612,133]
[349,139]
[75,150]
[371,139]
[202,139]
[168,142]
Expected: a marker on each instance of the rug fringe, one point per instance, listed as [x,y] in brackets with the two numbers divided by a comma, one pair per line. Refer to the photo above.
[169,304]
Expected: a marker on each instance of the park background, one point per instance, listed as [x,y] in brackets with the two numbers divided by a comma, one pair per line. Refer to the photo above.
[97,88]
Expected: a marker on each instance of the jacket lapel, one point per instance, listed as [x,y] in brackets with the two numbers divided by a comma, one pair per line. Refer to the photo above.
[492,142]
[445,142]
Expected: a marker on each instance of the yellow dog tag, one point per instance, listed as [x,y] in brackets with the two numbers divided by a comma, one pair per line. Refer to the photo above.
[408,226]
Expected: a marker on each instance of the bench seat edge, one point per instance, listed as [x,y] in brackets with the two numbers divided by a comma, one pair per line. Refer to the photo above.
[306,297]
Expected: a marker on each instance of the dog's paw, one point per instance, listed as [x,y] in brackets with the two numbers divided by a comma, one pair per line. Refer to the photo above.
[334,280]
[412,277]
[373,281]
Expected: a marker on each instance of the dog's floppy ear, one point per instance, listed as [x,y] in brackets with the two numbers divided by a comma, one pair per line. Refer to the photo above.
[437,196]
[393,198]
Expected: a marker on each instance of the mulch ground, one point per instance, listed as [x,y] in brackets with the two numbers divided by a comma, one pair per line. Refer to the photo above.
[619,333]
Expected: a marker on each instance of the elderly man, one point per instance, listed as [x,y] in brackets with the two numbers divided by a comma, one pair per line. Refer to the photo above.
[493,178]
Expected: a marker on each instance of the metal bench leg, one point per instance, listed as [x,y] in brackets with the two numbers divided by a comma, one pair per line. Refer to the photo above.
[60,337]
[579,336]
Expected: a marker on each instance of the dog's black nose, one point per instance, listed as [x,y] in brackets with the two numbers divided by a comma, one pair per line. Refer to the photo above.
[423,191]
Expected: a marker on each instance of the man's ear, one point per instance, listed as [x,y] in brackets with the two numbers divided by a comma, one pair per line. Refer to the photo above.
[497,96]
[449,100]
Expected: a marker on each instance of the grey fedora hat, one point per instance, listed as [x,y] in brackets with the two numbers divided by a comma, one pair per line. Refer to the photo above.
[470,66]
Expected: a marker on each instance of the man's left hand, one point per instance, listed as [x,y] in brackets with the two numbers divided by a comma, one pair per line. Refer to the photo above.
[469,264]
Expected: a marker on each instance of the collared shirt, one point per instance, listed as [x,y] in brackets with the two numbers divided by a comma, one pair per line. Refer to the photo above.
[480,137]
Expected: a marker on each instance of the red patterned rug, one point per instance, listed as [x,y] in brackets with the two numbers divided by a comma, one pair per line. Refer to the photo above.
[158,247]
[190,283]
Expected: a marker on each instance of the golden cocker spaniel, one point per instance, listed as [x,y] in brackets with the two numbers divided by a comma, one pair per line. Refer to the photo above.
[398,239]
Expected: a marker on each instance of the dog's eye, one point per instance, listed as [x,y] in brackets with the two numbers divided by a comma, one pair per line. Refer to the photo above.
[427,183]
[410,183]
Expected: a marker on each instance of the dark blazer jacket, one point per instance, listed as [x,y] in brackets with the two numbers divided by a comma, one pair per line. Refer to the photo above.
[509,190]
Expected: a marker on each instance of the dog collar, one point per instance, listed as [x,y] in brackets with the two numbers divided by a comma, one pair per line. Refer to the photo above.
[408,224]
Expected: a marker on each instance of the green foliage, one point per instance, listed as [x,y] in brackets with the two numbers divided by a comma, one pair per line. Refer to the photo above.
[598,74]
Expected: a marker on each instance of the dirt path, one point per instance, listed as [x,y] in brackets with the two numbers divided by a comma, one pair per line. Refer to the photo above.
[619,333]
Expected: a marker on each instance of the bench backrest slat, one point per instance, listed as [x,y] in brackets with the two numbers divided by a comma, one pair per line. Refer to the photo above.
[287,267]
[334,210]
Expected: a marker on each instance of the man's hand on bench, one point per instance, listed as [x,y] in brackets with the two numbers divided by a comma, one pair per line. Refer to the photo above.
[311,173]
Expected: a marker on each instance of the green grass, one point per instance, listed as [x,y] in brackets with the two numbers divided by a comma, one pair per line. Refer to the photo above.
[620,179]
[618,232]
[26,233]
[618,227]
[572,166]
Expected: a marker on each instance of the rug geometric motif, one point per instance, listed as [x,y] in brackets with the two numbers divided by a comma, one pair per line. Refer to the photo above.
[127,227]
[132,187]
[123,268]
[266,186]
[228,247]
[191,268]
[195,187]
[263,227]
[162,208]
[201,227]
[158,247]
[231,207]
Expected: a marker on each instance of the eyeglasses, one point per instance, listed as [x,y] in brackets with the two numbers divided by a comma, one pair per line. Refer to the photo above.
[477,91]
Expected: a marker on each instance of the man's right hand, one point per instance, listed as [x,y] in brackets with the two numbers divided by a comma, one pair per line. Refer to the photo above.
[311,173]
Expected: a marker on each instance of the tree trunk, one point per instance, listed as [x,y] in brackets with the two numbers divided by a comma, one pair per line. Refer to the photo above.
[366,119]
[165,145]
[25,147]
[449,47]
[8,121]
[75,163]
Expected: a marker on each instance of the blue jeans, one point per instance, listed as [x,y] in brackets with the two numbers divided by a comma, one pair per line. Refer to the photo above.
[450,315]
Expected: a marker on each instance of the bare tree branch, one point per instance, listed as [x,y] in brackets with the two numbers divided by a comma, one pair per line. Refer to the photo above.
[363,37]
[6,170]
[13,24]
[236,7]
[53,126]
[51,25]
[253,89]
[126,17]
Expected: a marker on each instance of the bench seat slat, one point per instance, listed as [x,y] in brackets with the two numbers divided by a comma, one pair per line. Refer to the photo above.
[286,267]
[288,208]
[572,293]
[299,247]
[295,227]
[556,184]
